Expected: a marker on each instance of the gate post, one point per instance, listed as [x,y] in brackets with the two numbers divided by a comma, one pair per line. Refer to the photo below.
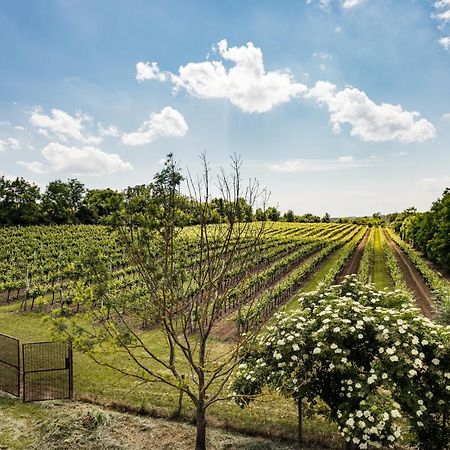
[70,371]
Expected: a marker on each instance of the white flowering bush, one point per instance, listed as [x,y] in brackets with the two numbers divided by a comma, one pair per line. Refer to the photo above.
[370,356]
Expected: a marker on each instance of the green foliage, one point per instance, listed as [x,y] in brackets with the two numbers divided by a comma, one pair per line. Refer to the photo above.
[428,232]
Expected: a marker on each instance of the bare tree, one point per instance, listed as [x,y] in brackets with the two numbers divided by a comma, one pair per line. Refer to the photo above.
[185,272]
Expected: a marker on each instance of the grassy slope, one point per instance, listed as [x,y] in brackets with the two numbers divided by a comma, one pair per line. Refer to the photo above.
[380,274]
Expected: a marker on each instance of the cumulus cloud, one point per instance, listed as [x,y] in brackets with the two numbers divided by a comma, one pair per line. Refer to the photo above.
[442,8]
[9,143]
[347,4]
[446,116]
[63,125]
[369,121]
[77,161]
[320,165]
[108,130]
[445,42]
[442,16]
[149,71]
[246,84]
[167,123]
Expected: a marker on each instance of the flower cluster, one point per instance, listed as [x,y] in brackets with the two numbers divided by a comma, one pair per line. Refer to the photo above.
[369,355]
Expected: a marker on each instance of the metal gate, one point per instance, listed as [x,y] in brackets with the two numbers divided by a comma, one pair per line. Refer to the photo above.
[9,365]
[47,371]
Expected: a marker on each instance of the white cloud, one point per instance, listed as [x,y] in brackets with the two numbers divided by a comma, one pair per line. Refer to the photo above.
[13,143]
[442,15]
[443,10]
[34,166]
[5,123]
[167,123]
[19,127]
[320,165]
[446,116]
[9,143]
[246,84]
[445,42]
[369,121]
[108,130]
[77,160]
[347,4]
[149,71]
[63,125]
[435,184]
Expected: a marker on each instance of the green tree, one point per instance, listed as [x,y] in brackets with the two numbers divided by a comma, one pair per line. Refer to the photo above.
[99,204]
[289,216]
[62,201]
[273,214]
[19,202]
[184,274]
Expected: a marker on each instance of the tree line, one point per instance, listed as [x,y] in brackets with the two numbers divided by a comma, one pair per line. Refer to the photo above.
[428,232]
[70,202]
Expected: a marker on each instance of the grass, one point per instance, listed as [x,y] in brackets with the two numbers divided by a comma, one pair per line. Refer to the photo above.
[60,425]
[271,416]
[380,276]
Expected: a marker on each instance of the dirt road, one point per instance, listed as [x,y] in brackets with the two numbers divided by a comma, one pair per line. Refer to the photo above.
[414,281]
[352,264]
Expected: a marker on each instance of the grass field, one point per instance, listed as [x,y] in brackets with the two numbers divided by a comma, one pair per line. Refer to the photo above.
[380,274]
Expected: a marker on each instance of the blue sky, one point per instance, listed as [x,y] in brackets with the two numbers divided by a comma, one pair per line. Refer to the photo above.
[335,105]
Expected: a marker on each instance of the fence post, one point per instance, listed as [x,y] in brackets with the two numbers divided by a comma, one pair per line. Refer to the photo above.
[70,371]
[23,373]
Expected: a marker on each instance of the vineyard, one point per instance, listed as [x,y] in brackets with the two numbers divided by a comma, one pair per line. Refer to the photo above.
[48,269]
[41,265]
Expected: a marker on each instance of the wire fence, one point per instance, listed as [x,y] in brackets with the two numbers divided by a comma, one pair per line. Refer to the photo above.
[42,371]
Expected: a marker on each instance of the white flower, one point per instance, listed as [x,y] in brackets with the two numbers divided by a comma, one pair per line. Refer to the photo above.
[295,347]
[277,355]
[316,351]
[435,361]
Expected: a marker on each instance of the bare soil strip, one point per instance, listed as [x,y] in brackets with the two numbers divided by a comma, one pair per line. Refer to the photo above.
[414,280]
[352,265]
[225,328]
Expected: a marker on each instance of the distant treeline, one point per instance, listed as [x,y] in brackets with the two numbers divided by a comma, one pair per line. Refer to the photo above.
[70,202]
[428,232]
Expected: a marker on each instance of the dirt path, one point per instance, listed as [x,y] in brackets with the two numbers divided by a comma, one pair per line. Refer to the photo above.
[352,265]
[414,281]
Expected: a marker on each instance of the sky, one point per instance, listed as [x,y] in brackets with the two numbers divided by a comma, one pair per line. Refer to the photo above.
[338,106]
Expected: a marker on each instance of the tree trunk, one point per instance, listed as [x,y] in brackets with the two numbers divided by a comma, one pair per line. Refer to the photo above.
[300,423]
[200,441]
